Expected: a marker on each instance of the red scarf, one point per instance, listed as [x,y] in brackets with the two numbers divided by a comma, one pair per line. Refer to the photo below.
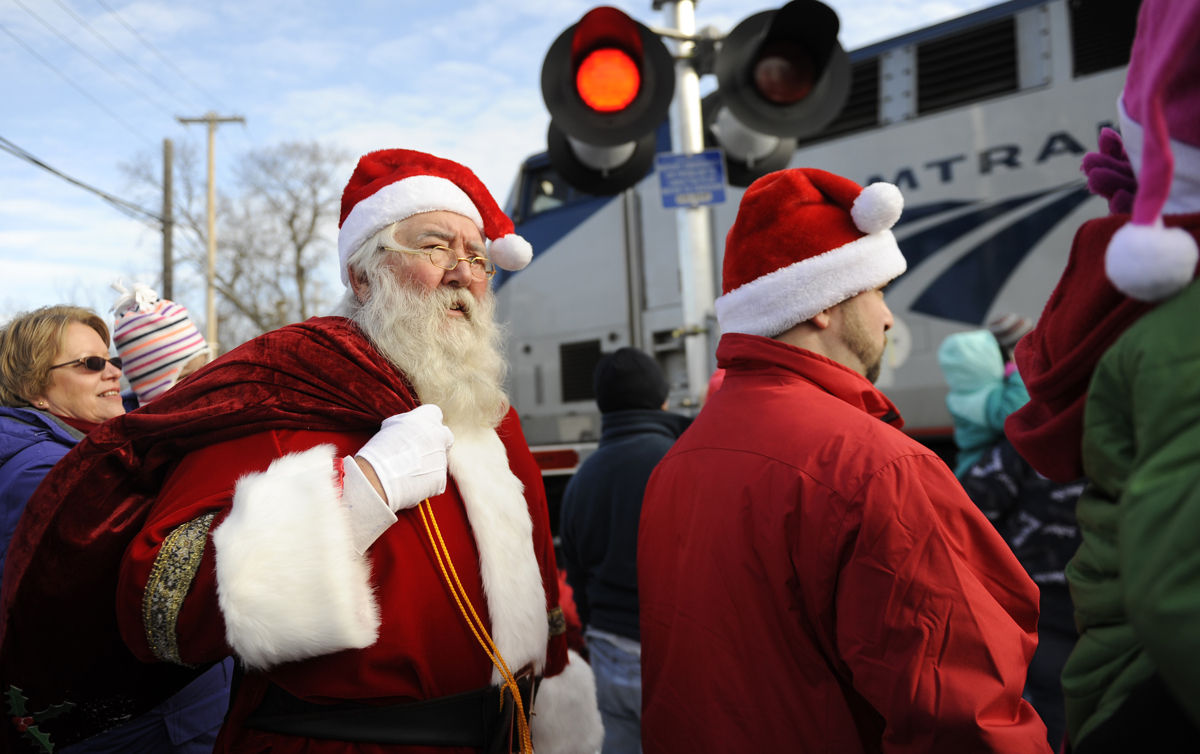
[58,632]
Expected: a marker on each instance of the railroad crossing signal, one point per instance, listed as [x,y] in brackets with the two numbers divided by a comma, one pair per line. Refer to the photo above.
[608,81]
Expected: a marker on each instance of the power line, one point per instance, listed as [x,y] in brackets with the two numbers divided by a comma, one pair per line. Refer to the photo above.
[95,61]
[161,57]
[127,207]
[77,87]
[120,53]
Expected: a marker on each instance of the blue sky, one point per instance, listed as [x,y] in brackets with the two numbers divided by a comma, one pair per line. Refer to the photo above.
[459,78]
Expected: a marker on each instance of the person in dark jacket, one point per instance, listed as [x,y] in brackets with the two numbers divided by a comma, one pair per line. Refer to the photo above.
[600,510]
[1036,517]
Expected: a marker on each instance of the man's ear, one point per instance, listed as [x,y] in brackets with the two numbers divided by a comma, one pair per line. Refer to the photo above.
[359,284]
[822,319]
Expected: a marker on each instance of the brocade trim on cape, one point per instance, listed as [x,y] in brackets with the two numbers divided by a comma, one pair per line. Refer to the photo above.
[170,580]
[557,620]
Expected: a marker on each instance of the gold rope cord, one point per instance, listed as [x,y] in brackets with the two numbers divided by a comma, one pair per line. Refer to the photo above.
[476,625]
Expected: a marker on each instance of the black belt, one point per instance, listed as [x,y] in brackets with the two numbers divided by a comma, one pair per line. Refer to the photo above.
[482,719]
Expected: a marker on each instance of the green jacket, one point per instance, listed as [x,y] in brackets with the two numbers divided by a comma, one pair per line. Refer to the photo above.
[1135,580]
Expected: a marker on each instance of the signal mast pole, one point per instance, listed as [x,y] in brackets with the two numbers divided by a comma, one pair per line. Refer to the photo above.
[694,225]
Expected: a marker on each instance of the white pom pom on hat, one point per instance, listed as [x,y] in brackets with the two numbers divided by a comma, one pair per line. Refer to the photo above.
[1150,262]
[877,208]
[511,252]
[1160,104]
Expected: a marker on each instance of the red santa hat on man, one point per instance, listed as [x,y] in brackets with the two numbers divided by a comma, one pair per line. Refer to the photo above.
[805,240]
[1160,123]
[391,185]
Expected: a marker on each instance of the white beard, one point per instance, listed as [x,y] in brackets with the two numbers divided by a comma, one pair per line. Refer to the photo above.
[454,362]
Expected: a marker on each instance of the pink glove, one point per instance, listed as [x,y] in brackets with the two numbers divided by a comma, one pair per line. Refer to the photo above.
[1110,174]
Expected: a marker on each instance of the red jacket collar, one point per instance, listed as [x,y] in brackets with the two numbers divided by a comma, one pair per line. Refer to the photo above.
[739,354]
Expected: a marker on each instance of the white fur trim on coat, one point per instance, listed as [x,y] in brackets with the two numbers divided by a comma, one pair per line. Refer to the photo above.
[566,718]
[499,516]
[398,201]
[779,300]
[289,582]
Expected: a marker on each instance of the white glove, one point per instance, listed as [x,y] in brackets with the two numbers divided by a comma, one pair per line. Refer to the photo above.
[408,454]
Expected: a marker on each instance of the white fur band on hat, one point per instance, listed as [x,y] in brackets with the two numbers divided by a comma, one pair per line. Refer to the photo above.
[777,301]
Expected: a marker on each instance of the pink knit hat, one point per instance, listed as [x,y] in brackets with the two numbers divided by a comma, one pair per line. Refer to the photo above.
[1160,113]
[804,240]
[155,339]
[393,184]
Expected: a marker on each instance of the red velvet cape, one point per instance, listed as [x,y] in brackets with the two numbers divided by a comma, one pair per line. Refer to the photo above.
[59,639]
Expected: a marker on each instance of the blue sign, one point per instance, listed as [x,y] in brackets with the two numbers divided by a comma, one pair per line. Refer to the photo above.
[690,180]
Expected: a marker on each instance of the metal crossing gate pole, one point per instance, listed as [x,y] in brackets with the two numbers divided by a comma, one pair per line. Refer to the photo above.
[694,224]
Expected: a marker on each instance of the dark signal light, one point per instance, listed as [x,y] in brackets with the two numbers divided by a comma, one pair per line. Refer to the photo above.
[784,73]
[782,76]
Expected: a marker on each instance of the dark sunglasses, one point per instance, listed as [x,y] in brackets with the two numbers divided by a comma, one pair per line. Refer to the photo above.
[92,363]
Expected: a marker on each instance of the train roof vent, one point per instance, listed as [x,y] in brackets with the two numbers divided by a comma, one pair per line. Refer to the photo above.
[862,106]
[968,66]
[1102,34]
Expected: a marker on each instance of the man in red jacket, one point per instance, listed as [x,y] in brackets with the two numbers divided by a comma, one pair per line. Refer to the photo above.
[346,505]
[811,578]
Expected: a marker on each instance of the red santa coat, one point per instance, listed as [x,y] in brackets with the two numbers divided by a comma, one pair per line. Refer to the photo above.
[240,547]
[811,579]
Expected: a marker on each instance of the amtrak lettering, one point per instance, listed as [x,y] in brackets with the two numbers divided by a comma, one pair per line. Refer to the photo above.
[1057,144]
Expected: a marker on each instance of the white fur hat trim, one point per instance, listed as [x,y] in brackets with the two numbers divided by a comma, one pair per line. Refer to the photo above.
[781,299]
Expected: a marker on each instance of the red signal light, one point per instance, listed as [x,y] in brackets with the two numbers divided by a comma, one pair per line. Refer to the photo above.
[608,80]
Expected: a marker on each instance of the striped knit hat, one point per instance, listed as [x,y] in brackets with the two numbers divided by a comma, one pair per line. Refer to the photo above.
[155,340]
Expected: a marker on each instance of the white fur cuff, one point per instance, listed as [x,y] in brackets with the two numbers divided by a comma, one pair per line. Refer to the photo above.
[566,719]
[289,581]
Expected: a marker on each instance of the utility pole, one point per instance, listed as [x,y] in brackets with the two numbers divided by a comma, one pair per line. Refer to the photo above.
[168,221]
[212,119]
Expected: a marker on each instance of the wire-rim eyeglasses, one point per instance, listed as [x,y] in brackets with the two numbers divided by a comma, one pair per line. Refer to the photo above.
[445,258]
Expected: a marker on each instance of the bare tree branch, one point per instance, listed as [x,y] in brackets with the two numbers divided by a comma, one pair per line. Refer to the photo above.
[276,224]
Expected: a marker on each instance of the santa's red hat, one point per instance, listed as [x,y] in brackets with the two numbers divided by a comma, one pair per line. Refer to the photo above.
[1160,121]
[393,184]
[803,241]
